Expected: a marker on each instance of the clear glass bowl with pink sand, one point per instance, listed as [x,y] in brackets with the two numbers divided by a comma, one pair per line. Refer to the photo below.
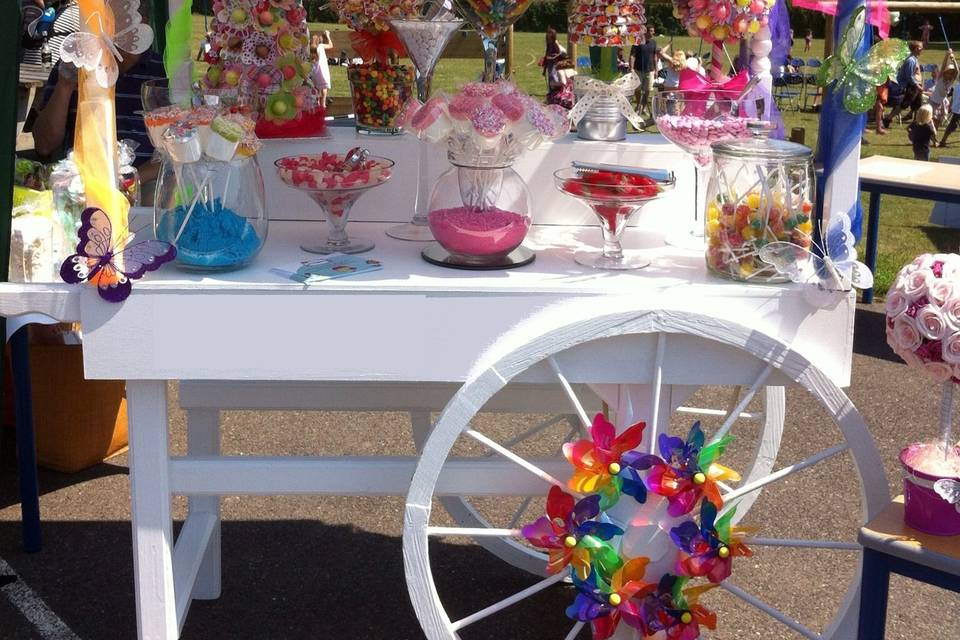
[479,210]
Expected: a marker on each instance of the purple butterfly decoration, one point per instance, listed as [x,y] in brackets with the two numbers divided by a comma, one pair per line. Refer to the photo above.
[112,268]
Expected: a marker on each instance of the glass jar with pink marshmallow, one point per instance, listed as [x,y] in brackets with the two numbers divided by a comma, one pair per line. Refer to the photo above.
[479,212]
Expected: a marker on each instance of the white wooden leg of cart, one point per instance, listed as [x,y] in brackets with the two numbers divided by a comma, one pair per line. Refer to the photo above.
[203,439]
[680,344]
[150,510]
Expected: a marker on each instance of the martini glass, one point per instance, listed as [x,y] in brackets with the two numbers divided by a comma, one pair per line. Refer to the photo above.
[614,206]
[491,19]
[335,202]
[694,120]
[424,38]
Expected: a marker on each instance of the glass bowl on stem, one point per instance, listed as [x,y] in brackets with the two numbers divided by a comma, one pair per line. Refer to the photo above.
[614,205]
[335,199]
[693,121]
[424,37]
[491,20]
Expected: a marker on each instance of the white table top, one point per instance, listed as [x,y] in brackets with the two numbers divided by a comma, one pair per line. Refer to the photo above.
[930,176]
[412,321]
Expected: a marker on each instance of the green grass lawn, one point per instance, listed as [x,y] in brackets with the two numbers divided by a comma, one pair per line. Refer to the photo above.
[904,231]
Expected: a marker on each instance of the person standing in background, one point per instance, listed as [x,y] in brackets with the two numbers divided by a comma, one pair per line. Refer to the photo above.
[925,30]
[807,41]
[910,79]
[922,133]
[551,56]
[643,60]
[321,43]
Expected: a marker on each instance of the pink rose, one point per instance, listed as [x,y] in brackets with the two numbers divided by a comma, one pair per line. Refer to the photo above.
[956,371]
[930,322]
[897,302]
[918,282]
[951,312]
[940,291]
[950,349]
[923,261]
[939,371]
[905,334]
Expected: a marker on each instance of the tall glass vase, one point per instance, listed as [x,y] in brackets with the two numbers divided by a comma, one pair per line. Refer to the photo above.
[491,20]
[424,38]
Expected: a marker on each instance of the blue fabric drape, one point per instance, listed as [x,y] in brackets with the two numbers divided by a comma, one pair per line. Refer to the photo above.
[840,130]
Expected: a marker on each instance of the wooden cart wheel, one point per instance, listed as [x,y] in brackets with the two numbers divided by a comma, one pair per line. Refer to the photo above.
[769,415]
[573,351]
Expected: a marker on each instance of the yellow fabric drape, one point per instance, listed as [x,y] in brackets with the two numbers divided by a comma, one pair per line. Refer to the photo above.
[95,138]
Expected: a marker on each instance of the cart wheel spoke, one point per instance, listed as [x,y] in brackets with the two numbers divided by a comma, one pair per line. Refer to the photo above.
[802,544]
[506,602]
[784,472]
[744,401]
[534,430]
[513,457]
[773,612]
[571,394]
[576,629]
[473,532]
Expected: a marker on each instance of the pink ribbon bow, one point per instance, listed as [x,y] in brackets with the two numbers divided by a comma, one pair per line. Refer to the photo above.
[696,82]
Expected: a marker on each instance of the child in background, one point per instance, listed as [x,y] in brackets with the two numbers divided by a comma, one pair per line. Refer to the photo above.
[922,133]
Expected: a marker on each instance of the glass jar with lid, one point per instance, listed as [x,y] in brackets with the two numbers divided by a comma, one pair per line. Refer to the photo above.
[760,191]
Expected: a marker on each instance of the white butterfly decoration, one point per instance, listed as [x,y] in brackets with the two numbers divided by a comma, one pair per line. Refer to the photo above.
[837,271]
[98,53]
[949,490]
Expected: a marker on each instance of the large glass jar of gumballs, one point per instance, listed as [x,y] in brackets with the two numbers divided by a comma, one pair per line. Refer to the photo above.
[479,213]
[379,92]
[760,191]
[213,211]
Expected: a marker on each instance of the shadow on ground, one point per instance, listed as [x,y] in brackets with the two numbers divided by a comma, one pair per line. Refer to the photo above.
[869,334]
[50,481]
[288,579]
[945,240]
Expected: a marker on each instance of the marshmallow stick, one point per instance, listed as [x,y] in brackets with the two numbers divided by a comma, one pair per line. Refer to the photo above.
[186,218]
[226,186]
[946,417]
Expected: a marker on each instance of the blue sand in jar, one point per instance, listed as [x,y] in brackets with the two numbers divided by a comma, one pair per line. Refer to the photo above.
[214,237]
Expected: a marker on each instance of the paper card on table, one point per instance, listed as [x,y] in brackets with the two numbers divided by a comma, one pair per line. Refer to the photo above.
[328,267]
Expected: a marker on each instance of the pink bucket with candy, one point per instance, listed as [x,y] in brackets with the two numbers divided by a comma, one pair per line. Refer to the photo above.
[925,509]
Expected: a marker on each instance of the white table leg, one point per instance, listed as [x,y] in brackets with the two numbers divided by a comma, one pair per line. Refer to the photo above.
[150,510]
[203,439]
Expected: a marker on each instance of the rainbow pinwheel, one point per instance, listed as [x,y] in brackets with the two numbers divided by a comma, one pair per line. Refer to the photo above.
[708,550]
[570,536]
[675,610]
[685,471]
[603,462]
[604,604]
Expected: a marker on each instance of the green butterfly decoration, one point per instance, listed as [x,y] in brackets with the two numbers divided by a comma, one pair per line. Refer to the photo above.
[858,78]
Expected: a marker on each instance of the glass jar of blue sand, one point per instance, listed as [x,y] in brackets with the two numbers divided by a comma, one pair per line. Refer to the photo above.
[213,212]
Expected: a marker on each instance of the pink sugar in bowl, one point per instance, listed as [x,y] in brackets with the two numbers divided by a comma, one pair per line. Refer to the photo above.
[479,214]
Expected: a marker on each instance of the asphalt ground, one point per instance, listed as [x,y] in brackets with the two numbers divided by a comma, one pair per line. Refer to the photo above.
[305,567]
